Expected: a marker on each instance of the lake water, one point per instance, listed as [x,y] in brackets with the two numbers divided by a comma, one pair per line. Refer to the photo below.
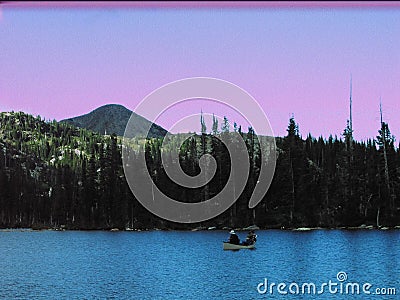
[192,265]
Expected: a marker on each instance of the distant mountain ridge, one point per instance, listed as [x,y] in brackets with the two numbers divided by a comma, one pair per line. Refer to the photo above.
[112,118]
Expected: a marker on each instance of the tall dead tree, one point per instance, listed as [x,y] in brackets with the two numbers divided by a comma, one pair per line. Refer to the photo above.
[349,145]
[351,118]
[385,158]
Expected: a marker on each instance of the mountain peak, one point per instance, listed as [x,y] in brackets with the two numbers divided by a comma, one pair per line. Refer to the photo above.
[112,118]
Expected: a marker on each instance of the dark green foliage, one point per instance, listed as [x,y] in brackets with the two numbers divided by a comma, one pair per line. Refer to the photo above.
[54,174]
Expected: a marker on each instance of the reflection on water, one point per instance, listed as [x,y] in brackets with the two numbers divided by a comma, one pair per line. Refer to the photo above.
[190,265]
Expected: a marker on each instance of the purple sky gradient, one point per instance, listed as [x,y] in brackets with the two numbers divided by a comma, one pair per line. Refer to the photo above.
[63,62]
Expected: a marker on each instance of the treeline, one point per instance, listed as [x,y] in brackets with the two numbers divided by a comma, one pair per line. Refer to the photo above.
[53,174]
[56,175]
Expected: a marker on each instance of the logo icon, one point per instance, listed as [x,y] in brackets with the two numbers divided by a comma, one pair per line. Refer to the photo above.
[223,92]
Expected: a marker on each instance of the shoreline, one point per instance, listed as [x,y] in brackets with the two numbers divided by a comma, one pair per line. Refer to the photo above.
[299,229]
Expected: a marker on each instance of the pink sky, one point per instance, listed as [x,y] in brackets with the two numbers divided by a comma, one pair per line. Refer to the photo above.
[61,62]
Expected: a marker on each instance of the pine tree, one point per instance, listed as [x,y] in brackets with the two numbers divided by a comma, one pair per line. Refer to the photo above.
[215,126]
[225,126]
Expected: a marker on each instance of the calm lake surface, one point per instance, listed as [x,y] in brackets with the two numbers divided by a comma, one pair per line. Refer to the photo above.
[192,265]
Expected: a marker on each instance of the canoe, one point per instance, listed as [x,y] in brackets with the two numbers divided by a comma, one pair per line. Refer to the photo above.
[229,246]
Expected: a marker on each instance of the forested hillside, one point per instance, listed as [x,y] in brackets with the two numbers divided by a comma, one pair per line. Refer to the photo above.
[53,174]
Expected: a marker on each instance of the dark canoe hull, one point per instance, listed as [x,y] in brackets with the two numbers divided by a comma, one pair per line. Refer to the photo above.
[229,246]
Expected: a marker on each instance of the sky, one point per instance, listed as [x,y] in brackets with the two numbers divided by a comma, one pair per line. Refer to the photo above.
[63,61]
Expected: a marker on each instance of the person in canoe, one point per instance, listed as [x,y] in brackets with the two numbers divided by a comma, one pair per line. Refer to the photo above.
[251,238]
[233,238]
